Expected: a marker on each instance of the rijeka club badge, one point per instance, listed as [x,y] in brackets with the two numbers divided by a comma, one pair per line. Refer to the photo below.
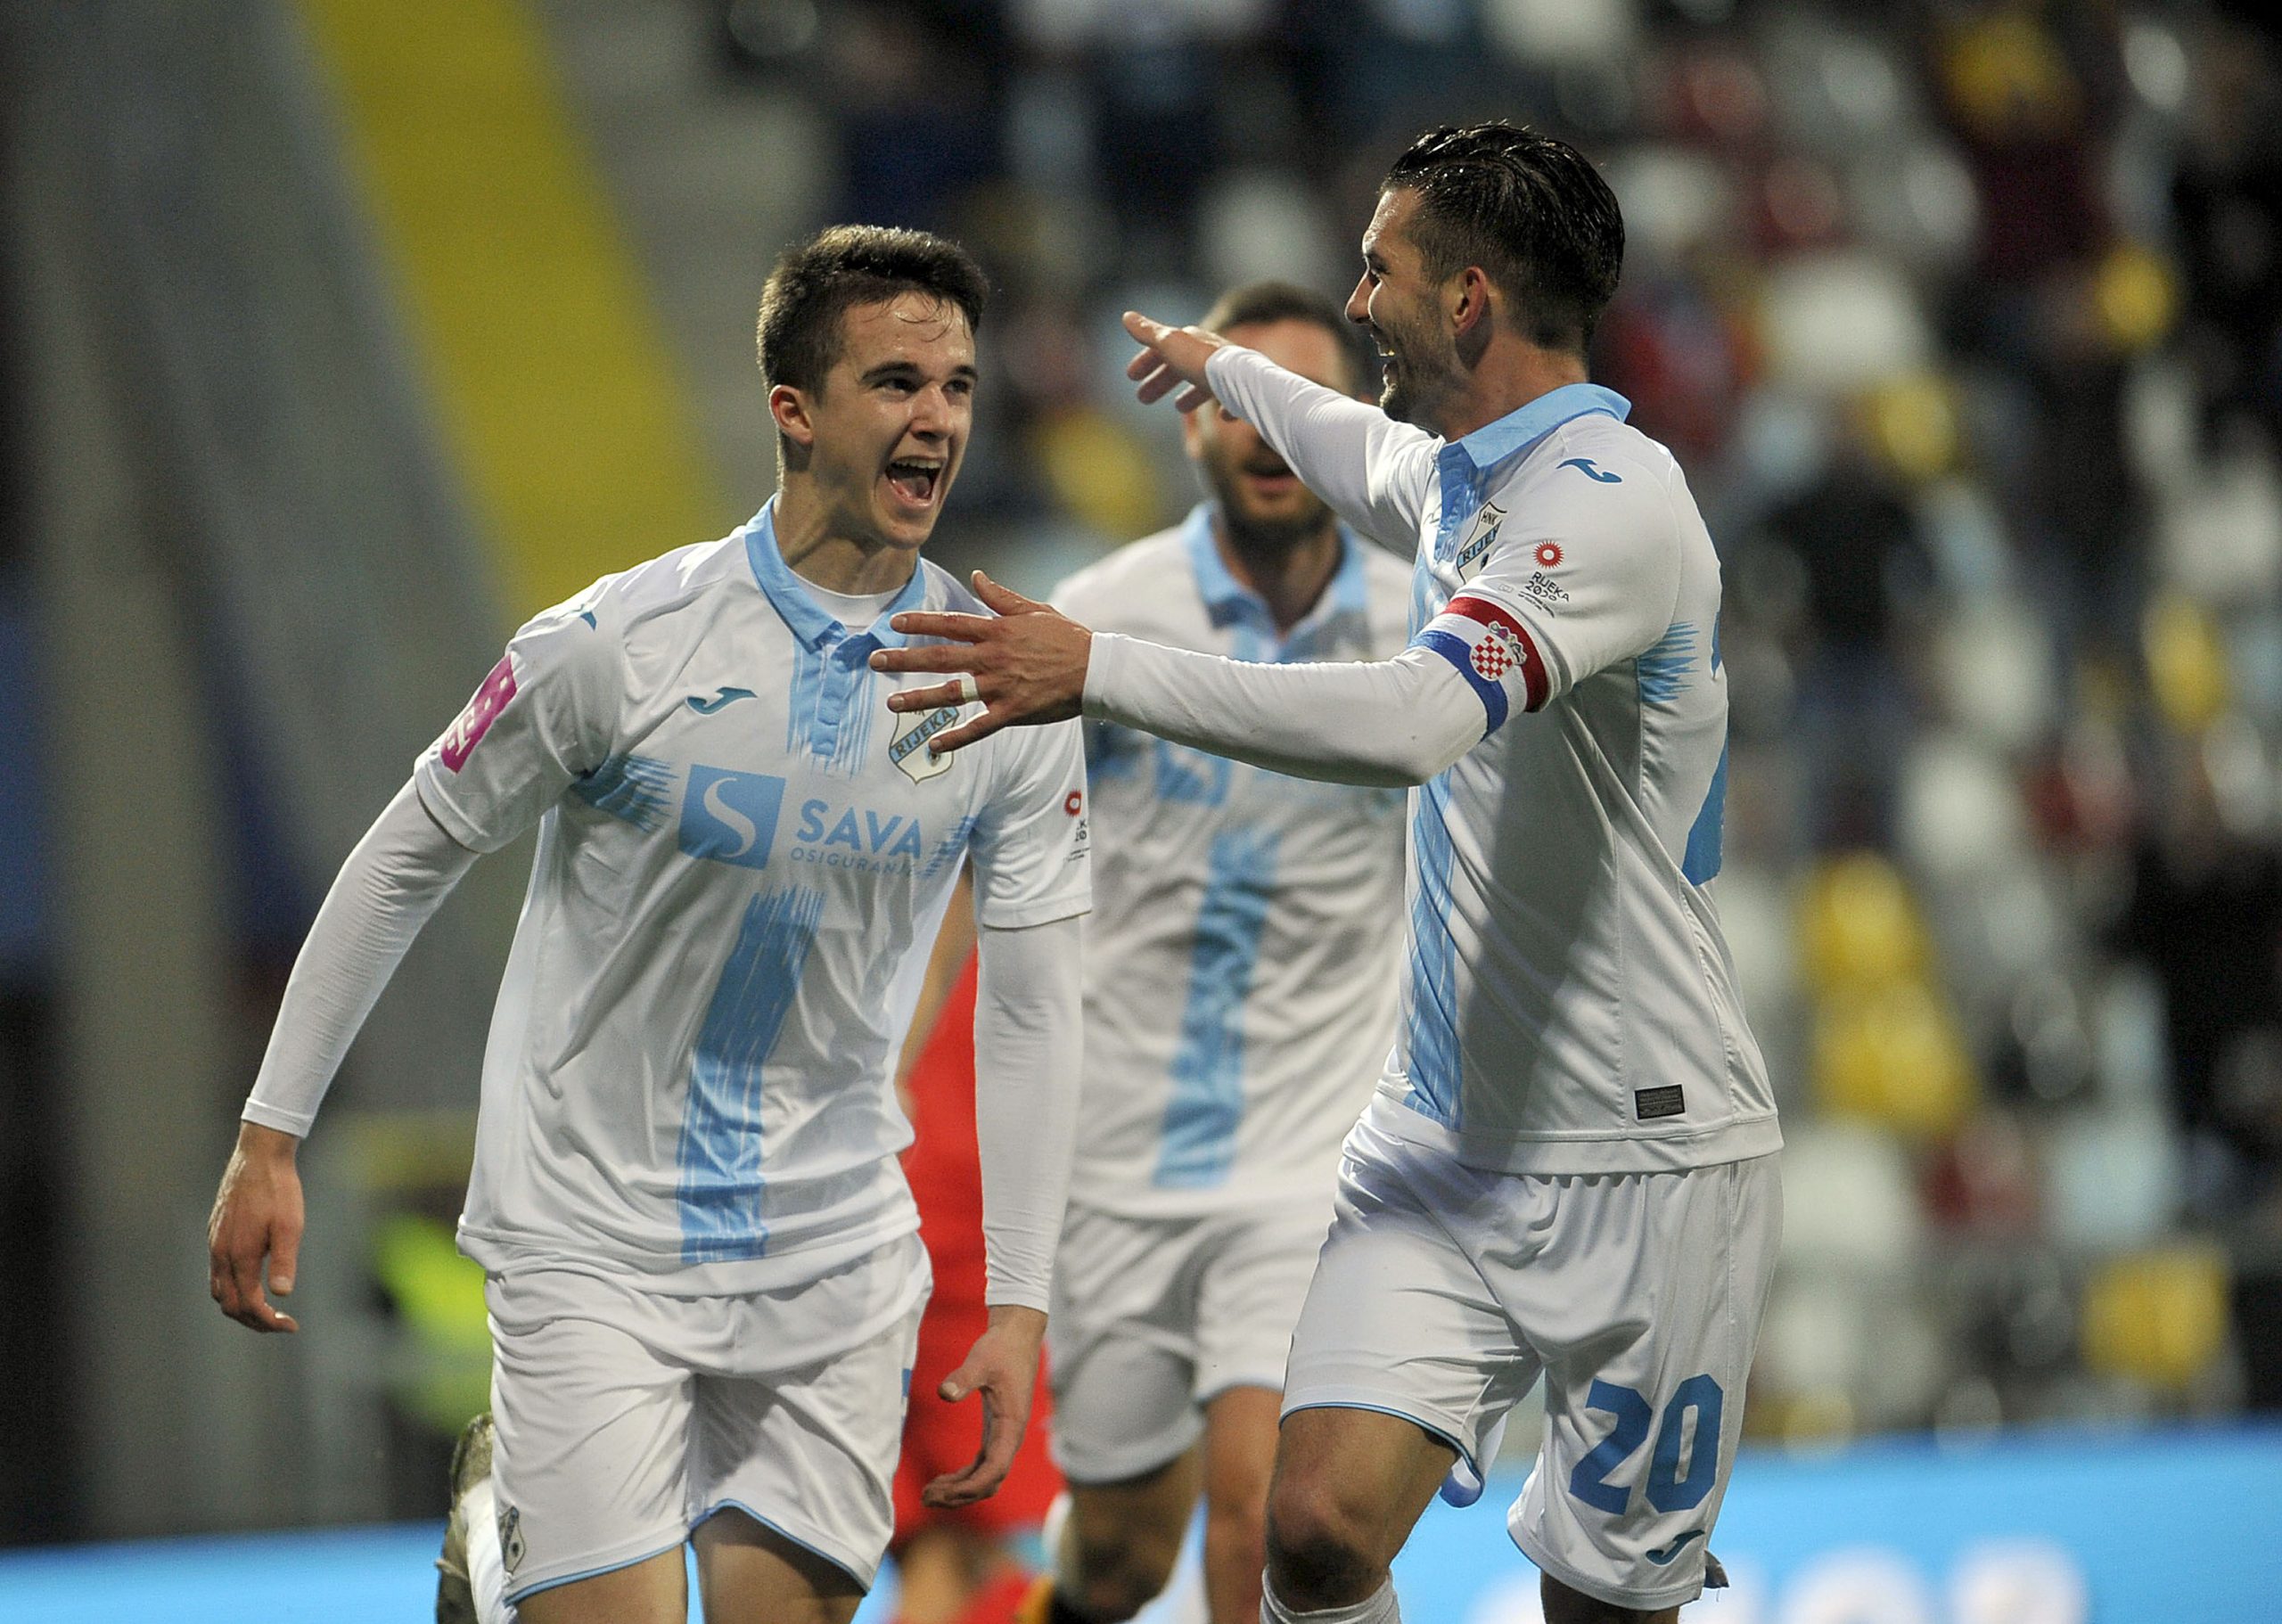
[908,749]
[1473,552]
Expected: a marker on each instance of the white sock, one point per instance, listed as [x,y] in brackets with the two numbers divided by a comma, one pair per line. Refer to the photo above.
[1378,1608]
[487,1570]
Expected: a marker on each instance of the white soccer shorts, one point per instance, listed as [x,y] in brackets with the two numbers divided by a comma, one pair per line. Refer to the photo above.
[626,1418]
[1154,1317]
[1446,1290]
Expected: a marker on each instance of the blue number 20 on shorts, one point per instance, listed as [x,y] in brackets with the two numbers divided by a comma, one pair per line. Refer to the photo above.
[1667,1489]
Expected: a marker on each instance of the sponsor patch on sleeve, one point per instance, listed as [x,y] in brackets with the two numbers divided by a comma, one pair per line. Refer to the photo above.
[1492,650]
[467,731]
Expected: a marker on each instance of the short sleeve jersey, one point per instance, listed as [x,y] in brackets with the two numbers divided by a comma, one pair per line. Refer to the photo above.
[1570,1004]
[742,858]
[1242,966]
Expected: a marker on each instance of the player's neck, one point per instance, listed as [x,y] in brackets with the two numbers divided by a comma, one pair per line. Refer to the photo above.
[829,554]
[1289,574]
[1507,375]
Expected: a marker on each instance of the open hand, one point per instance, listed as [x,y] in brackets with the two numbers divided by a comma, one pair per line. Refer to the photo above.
[1171,358]
[1001,1367]
[257,1219]
[1026,663]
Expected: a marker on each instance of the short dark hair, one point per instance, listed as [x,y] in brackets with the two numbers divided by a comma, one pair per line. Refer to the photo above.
[1530,210]
[1256,304]
[816,281]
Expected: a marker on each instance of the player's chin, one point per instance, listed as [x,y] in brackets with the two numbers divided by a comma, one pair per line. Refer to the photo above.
[904,522]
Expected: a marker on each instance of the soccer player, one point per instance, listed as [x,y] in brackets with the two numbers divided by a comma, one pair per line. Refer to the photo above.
[1569,1167]
[704,1281]
[1241,981]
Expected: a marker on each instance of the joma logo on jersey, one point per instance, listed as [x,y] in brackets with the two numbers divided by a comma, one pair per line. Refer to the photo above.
[1475,549]
[731,817]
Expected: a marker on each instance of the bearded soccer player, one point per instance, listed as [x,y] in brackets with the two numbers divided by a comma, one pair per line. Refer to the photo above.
[1240,992]
[1569,1167]
[703,1282]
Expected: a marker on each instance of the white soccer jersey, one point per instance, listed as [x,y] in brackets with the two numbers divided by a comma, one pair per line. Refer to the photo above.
[1242,969]
[1570,1005]
[743,857]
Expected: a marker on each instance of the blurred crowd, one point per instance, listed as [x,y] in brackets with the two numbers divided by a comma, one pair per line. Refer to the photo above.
[1965,322]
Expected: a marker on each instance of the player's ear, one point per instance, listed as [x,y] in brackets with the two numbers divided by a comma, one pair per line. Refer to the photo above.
[789,407]
[1466,298]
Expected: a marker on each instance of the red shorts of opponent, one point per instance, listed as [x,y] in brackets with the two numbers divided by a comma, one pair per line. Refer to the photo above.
[945,1177]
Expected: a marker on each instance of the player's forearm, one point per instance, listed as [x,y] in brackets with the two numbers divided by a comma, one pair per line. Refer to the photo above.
[1350,454]
[1027,1044]
[1385,722]
[397,877]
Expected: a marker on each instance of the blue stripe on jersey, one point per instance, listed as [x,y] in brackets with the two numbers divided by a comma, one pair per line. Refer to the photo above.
[1453,649]
[857,709]
[719,1157]
[1423,599]
[1208,1096]
[804,702]
[1701,861]
[1662,670]
[632,788]
[1431,1037]
[951,848]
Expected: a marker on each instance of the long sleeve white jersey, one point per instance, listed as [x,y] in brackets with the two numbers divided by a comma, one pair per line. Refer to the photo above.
[743,857]
[1241,969]
[1570,1006]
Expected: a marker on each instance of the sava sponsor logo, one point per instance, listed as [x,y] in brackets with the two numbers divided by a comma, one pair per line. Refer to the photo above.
[731,817]
[1475,549]
[908,750]
[856,838]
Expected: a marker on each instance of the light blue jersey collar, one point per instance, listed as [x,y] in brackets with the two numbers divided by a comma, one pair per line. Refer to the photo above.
[1228,601]
[808,620]
[1465,464]
[1525,426]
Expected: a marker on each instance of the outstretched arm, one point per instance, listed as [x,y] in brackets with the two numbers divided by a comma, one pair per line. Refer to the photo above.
[1027,1048]
[1371,469]
[393,881]
[1382,722]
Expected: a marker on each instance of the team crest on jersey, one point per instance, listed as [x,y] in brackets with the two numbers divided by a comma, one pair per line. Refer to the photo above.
[1473,552]
[511,1538]
[1498,652]
[908,750]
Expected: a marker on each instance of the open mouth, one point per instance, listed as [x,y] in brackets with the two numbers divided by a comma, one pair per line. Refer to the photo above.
[1270,474]
[915,479]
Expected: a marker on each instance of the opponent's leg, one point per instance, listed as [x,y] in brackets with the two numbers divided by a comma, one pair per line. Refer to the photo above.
[1239,1460]
[748,1574]
[1349,1486]
[1121,1539]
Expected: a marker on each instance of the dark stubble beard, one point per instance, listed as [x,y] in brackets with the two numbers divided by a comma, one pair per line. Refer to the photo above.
[1250,535]
[1400,396]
